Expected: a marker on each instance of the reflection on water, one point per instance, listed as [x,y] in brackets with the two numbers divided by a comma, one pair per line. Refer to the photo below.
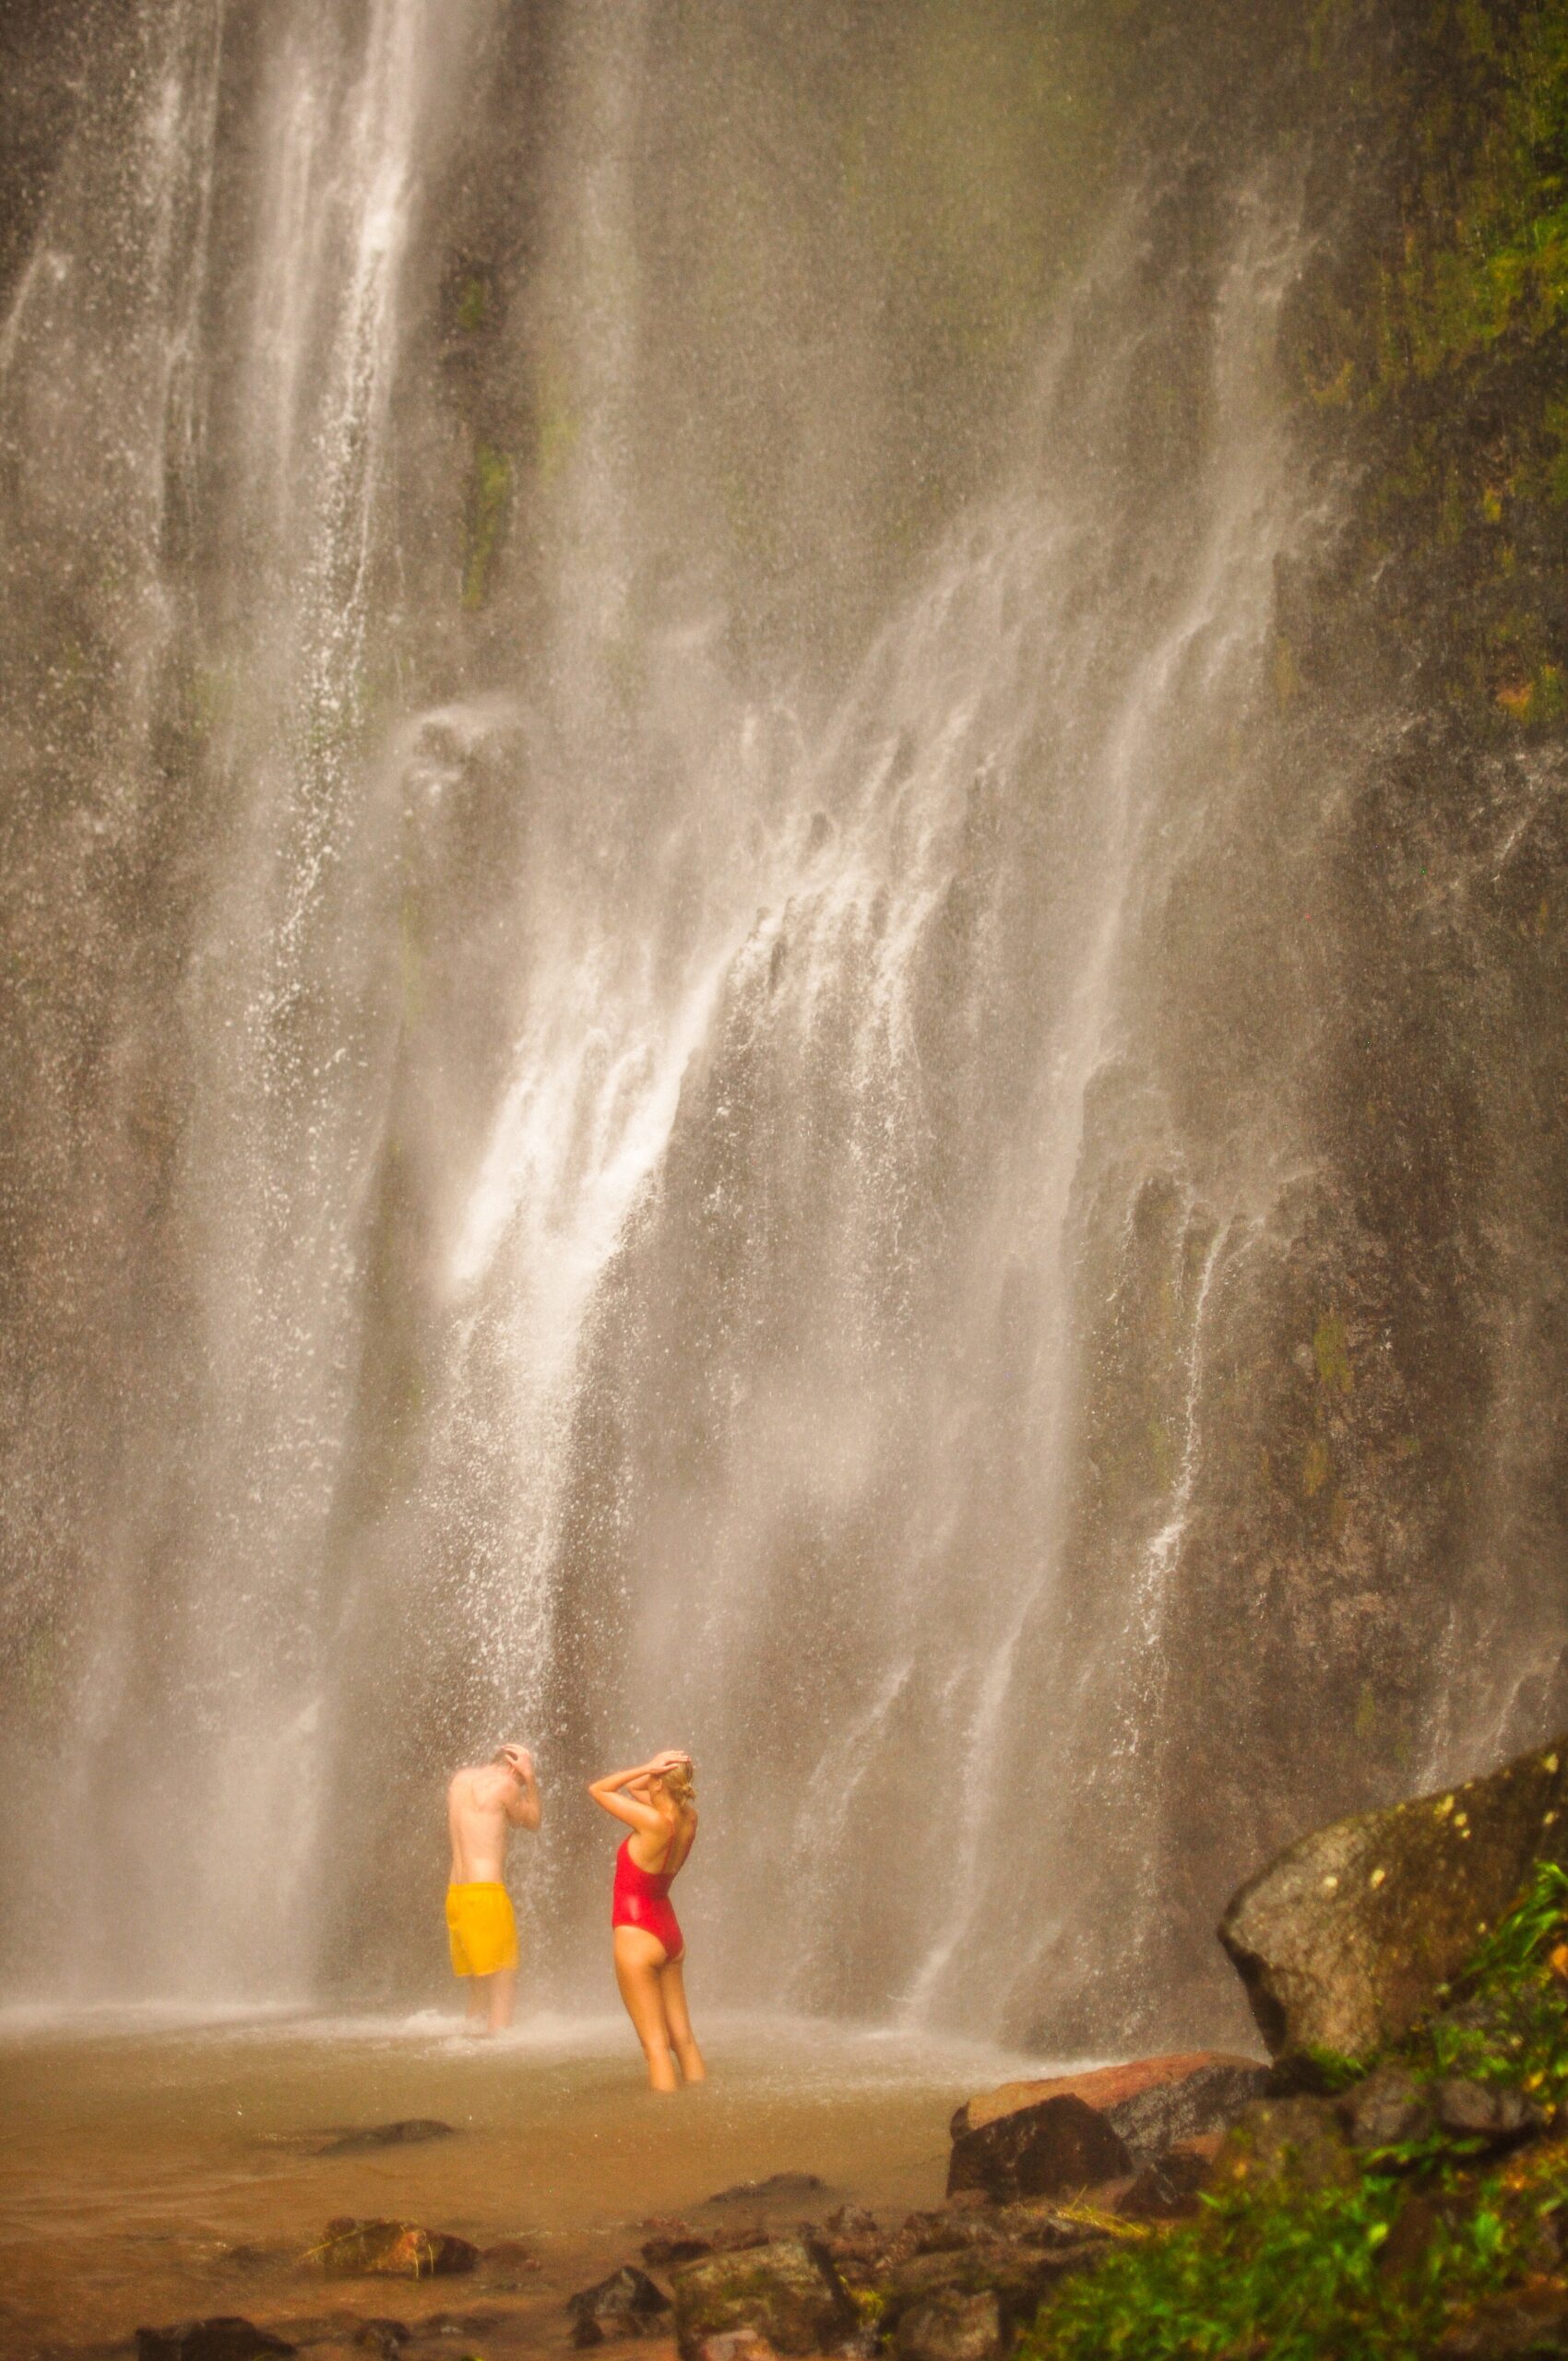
[146,2177]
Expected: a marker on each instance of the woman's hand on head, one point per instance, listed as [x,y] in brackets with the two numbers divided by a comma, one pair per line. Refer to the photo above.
[667,1760]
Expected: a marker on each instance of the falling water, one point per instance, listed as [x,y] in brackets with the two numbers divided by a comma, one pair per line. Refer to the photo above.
[673,1075]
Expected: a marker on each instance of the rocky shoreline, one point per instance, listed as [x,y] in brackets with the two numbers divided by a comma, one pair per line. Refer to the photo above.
[1391,2181]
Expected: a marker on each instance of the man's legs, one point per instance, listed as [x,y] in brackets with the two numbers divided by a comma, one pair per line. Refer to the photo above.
[503,1991]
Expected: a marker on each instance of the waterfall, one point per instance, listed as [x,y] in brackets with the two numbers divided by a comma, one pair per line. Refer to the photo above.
[671,1085]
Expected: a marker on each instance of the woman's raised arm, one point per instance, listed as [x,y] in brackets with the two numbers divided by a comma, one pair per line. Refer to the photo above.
[610,1795]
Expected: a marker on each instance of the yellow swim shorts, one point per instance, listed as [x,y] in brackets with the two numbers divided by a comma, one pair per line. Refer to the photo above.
[482,1930]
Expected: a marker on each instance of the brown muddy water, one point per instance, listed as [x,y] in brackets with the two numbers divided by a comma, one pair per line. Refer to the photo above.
[150,2171]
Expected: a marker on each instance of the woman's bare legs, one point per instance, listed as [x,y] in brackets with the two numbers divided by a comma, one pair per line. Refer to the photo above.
[639,1957]
[673,1992]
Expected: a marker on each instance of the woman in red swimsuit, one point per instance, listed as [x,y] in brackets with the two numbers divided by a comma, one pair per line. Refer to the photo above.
[657,1803]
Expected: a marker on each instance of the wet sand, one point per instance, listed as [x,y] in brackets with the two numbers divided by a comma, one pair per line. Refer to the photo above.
[149,2172]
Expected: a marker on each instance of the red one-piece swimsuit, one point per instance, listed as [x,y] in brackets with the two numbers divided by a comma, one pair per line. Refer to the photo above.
[641,1899]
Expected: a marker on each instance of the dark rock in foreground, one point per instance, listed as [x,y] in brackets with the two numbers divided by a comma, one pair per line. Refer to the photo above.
[952,2328]
[382,2337]
[1042,2138]
[1168,2189]
[1058,2145]
[627,2304]
[786,2291]
[675,2247]
[1019,2276]
[225,2339]
[354,2249]
[1345,1939]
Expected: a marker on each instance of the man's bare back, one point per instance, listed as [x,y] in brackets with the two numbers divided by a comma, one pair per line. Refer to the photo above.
[484,1803]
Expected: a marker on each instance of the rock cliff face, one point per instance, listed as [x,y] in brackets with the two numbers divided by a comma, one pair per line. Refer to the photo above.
[1383,1490]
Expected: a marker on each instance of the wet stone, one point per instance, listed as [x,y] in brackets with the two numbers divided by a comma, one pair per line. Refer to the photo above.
[509,2262]
[951,2227]
[384,2340]
[1387,2110]
[1059,2146]
[408,2132]
[1037,2225]
[664,2252]
[1019,2277]
[786,2291]
[951,2328]
[627,2304]
[778,2189]
[224,2338]
[1168,2189]
[1495,2112]
[353,2249]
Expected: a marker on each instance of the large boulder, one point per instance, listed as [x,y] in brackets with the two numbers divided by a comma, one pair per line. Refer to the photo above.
[1344,1941]
[1043,2138]
[788,2291]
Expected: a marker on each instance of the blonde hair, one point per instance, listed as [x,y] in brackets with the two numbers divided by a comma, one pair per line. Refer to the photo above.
[679,1785]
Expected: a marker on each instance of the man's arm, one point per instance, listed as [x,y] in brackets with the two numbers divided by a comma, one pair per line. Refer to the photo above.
[523,1809]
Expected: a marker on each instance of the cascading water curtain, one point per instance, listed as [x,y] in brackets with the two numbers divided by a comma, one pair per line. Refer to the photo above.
[697,1001]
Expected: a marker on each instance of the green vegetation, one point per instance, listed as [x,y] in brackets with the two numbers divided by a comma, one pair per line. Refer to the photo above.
[1422,2230]
[1431,324]
[489,503]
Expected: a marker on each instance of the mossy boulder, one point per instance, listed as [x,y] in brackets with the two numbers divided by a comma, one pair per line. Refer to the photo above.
[1346,1940]
[788,2291]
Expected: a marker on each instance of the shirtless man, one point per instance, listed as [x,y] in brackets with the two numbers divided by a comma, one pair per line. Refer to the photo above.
[482,1803]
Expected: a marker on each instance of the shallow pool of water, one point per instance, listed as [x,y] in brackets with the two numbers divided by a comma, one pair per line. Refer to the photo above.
[150,2171]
